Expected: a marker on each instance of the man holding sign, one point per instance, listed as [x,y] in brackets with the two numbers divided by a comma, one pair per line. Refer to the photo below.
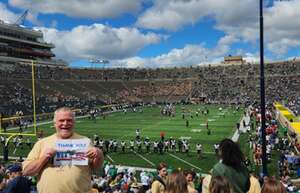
[63,162]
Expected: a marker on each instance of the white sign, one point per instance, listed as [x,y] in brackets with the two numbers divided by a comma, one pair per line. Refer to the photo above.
[71,152]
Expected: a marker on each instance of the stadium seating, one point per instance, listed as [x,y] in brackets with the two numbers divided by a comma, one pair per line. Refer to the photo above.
[214,83]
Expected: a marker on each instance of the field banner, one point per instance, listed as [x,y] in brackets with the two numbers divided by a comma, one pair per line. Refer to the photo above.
[296,126]
[71,152]
[288,119]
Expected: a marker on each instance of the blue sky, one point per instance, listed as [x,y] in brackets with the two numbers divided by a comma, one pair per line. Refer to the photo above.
[160,33]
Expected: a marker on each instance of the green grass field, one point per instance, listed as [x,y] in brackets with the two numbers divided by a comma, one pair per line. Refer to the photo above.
[122,126]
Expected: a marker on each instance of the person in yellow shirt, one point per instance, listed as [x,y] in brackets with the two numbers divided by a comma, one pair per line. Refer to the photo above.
[205,183]
[64,178]
[158,185]
[254,184]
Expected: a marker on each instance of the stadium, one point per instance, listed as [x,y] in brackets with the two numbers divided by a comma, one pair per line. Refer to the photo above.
[141,117]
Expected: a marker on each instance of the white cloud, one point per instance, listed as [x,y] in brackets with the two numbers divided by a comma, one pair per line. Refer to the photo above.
[239,22]
[98,41]
[252,58]
[190,55]
[172,14]
[80,8]
[238,19]
[223,45]
[281,46]
[282,26]
[7,15]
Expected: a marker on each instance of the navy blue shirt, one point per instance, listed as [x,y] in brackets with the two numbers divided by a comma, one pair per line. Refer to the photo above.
[19,184]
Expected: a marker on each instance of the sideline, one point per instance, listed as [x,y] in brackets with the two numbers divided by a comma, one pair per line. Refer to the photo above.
[188,163]
[236,134]
[109,158]
[144,158]
[45,123]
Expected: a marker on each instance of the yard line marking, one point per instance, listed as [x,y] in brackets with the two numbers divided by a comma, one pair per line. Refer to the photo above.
[137,168]
[144,158]
[209,152]
[206,152]
[196,130]
[110,158]
[43,123]
[188,163]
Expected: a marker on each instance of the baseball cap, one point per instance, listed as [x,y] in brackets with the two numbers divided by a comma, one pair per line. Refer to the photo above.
[14,168]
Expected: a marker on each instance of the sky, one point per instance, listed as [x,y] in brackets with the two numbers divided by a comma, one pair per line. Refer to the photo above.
[160,33]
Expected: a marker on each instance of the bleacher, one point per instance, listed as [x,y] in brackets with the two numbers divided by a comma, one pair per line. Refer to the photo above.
[217,84]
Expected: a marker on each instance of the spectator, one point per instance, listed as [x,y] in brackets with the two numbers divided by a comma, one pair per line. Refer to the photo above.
[16,182]
[190,176]
[232,166]
[205,183]
[220,184]
[176,183]
[254,185]
[67,179]
[271,185]
[159,185]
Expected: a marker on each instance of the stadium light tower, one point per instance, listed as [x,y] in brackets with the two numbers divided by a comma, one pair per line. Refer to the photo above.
[262,91]
[22,18]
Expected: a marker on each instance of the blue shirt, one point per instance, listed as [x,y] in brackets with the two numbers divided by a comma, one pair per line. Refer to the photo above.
[19,184]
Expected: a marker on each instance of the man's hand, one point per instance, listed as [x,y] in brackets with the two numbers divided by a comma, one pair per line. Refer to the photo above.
[93,153]
[96,156]
[49,153]
[35,167]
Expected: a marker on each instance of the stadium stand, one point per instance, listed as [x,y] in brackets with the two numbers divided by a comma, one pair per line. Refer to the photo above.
[215,84]
[222,84]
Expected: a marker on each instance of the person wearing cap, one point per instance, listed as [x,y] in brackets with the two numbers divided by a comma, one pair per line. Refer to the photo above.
[16,182]
[64,178]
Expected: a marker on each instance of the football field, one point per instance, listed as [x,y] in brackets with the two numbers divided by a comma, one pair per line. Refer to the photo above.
[122,126]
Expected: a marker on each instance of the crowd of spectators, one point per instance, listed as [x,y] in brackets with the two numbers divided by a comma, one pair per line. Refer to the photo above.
[284,142]
[121,179]
[221,84]
[116,179]
[81,88]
